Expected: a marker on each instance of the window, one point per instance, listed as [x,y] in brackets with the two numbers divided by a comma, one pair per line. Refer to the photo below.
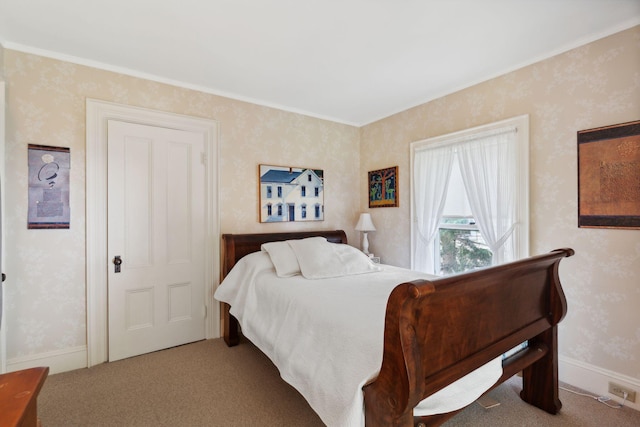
[303,191]
[317,211]
[460,245]
[279,191]
[470,198]
[459,242]
[309,177]
[269,209]
[303,211]
[279,209]
[317,192]
[269,192]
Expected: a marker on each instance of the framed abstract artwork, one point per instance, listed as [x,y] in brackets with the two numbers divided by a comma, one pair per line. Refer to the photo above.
[609,176]
[383,188]
[289,194]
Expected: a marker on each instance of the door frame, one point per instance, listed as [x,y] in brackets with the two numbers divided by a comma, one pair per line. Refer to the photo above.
[97,115]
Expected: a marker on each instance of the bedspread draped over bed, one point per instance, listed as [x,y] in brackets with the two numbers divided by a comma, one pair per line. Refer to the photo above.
[326,335]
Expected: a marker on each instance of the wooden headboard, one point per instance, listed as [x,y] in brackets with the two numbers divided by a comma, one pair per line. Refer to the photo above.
[235,246]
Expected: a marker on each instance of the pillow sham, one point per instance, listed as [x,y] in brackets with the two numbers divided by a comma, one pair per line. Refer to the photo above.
[320,259]
[283,258]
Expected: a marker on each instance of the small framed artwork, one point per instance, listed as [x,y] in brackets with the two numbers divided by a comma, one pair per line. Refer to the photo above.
[48,187]
[609,176]
[383,188]
[289,194]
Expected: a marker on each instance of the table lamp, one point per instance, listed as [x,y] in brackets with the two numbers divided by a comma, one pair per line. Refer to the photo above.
[365,225]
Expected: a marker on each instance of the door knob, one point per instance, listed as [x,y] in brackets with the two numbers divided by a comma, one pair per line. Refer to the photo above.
[117,261]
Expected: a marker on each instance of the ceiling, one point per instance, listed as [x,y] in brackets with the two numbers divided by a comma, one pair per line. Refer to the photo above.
[350,61]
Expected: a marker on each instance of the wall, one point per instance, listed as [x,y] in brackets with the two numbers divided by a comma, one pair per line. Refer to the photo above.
[595,85]
[46,304]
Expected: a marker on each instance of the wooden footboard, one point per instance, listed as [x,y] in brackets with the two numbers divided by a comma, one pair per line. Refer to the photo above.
[438,331]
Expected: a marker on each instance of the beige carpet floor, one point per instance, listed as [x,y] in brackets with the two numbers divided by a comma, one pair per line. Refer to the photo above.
[208,384]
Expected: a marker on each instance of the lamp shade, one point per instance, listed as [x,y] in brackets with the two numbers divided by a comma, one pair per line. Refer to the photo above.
[365,223]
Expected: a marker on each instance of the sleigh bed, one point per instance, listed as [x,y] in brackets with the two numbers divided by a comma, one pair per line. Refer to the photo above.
[434,333]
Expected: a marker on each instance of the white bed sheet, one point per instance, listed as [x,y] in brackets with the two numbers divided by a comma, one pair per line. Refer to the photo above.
[326,336]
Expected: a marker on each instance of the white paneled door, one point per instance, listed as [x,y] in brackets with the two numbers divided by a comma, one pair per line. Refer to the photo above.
[156,238]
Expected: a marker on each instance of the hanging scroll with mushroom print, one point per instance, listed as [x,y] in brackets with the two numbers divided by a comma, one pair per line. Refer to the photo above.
[49,187]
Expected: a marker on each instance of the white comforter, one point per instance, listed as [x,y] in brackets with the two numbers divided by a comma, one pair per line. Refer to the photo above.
[326,336]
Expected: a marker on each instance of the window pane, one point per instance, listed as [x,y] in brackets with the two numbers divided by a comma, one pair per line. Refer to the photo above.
[462,249]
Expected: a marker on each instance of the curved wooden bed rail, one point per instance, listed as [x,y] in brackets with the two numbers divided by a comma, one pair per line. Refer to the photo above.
[437,331]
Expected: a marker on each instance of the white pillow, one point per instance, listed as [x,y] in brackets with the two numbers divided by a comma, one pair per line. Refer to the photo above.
[283,258]
[319,259]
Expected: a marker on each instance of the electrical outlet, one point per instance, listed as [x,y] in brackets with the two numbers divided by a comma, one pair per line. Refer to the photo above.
[619,391]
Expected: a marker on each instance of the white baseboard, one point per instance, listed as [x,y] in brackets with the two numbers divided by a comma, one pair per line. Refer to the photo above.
[57,361]
[596,380]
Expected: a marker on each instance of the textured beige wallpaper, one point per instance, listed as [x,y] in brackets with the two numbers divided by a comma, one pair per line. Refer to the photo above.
[46,105]
[591,86]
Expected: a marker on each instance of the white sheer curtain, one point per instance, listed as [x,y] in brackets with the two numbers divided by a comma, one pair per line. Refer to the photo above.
[488,167]
[431,172]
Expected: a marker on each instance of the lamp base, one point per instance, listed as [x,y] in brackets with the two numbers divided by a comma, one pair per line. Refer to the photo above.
[365,243]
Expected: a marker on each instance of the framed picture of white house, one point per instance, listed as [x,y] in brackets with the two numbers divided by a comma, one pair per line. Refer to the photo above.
[289,194]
